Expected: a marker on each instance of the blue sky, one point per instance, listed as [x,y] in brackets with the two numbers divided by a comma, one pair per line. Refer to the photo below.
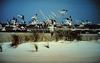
[78,9]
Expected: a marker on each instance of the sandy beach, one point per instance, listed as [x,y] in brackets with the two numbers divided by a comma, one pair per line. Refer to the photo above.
[59,52]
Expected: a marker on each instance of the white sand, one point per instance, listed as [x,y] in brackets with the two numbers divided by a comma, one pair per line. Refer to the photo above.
[59,52]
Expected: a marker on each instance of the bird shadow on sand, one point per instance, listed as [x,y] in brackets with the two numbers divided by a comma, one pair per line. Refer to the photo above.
[31,50]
